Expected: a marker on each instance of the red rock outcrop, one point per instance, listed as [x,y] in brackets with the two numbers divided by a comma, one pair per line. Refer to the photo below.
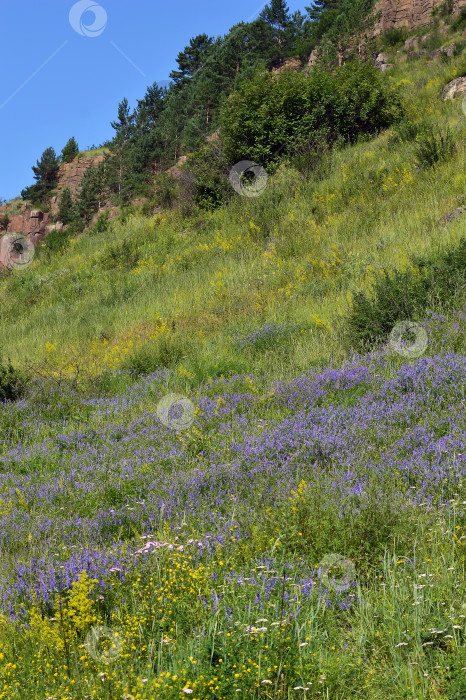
[70,174]
[29,222]
[34,224]
[409,13]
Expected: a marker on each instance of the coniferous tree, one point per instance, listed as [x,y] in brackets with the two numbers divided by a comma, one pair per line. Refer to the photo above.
[150,107]
[70,151]
[277,15]
[94,191]
[46,176]
[124,124]
[192,59]
[66,211]
[318,7]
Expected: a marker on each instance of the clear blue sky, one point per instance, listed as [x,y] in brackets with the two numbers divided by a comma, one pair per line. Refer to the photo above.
[56,83]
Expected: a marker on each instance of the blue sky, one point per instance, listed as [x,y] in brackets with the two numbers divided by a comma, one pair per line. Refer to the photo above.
[56,82]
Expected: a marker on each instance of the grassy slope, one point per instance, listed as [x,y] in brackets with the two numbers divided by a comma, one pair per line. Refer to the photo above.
[329,237]
[269,450]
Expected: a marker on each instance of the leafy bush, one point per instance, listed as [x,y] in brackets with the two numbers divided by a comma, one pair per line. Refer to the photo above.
[165,350]
[434,146]
[12,382]
[165,192]
[57,241]
[394,36]
[119,255]
[268,116]
[4,221]
[407,130]
[403,295]
[459,23]
[101,225]
[208,171]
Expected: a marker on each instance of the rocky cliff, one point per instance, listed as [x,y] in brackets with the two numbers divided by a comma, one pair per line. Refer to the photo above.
[409,13]
[70,174]
[34,224]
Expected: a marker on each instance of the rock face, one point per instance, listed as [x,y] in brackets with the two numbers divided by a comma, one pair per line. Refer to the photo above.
[455,88]
[70,174]
[30,226]
[29,222]
[409,13]
[34,224]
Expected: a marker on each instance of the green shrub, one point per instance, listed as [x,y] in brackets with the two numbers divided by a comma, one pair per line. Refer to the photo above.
[164,351]
[4,221]
[394,36]
[57,241]
[120,255]
[12,382]
[165,192]
[207,169]
[267,117]
[444,10]
[459,48]
[101,225]
[398,296]
[434,146]
[407,130]
[459,23]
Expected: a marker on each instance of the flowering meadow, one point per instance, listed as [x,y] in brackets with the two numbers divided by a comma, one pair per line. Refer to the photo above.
[293,524]
[202,551]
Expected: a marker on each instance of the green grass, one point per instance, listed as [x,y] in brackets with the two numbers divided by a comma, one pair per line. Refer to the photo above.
[297,253]
[93,152]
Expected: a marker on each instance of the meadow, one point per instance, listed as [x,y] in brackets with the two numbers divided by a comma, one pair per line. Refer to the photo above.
[296,527]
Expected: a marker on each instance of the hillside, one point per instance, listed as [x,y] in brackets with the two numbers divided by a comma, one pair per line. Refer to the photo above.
[211,488]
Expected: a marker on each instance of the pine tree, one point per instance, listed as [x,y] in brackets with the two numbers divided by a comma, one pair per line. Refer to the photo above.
[46,174]
[124,124]
[319,6]
[192,58]
[150,107]
[94,191]
[66,211]
[70,150]
[277,14]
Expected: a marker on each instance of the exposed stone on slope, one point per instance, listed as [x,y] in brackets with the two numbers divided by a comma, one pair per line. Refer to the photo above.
[455,88]
[452,215]
[71,174]
[409,13]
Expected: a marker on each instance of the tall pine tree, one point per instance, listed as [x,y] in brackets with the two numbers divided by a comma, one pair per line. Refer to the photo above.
[276,13]
[124,124]
[319,6]
[66,213]
[192,58]
[46,176]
